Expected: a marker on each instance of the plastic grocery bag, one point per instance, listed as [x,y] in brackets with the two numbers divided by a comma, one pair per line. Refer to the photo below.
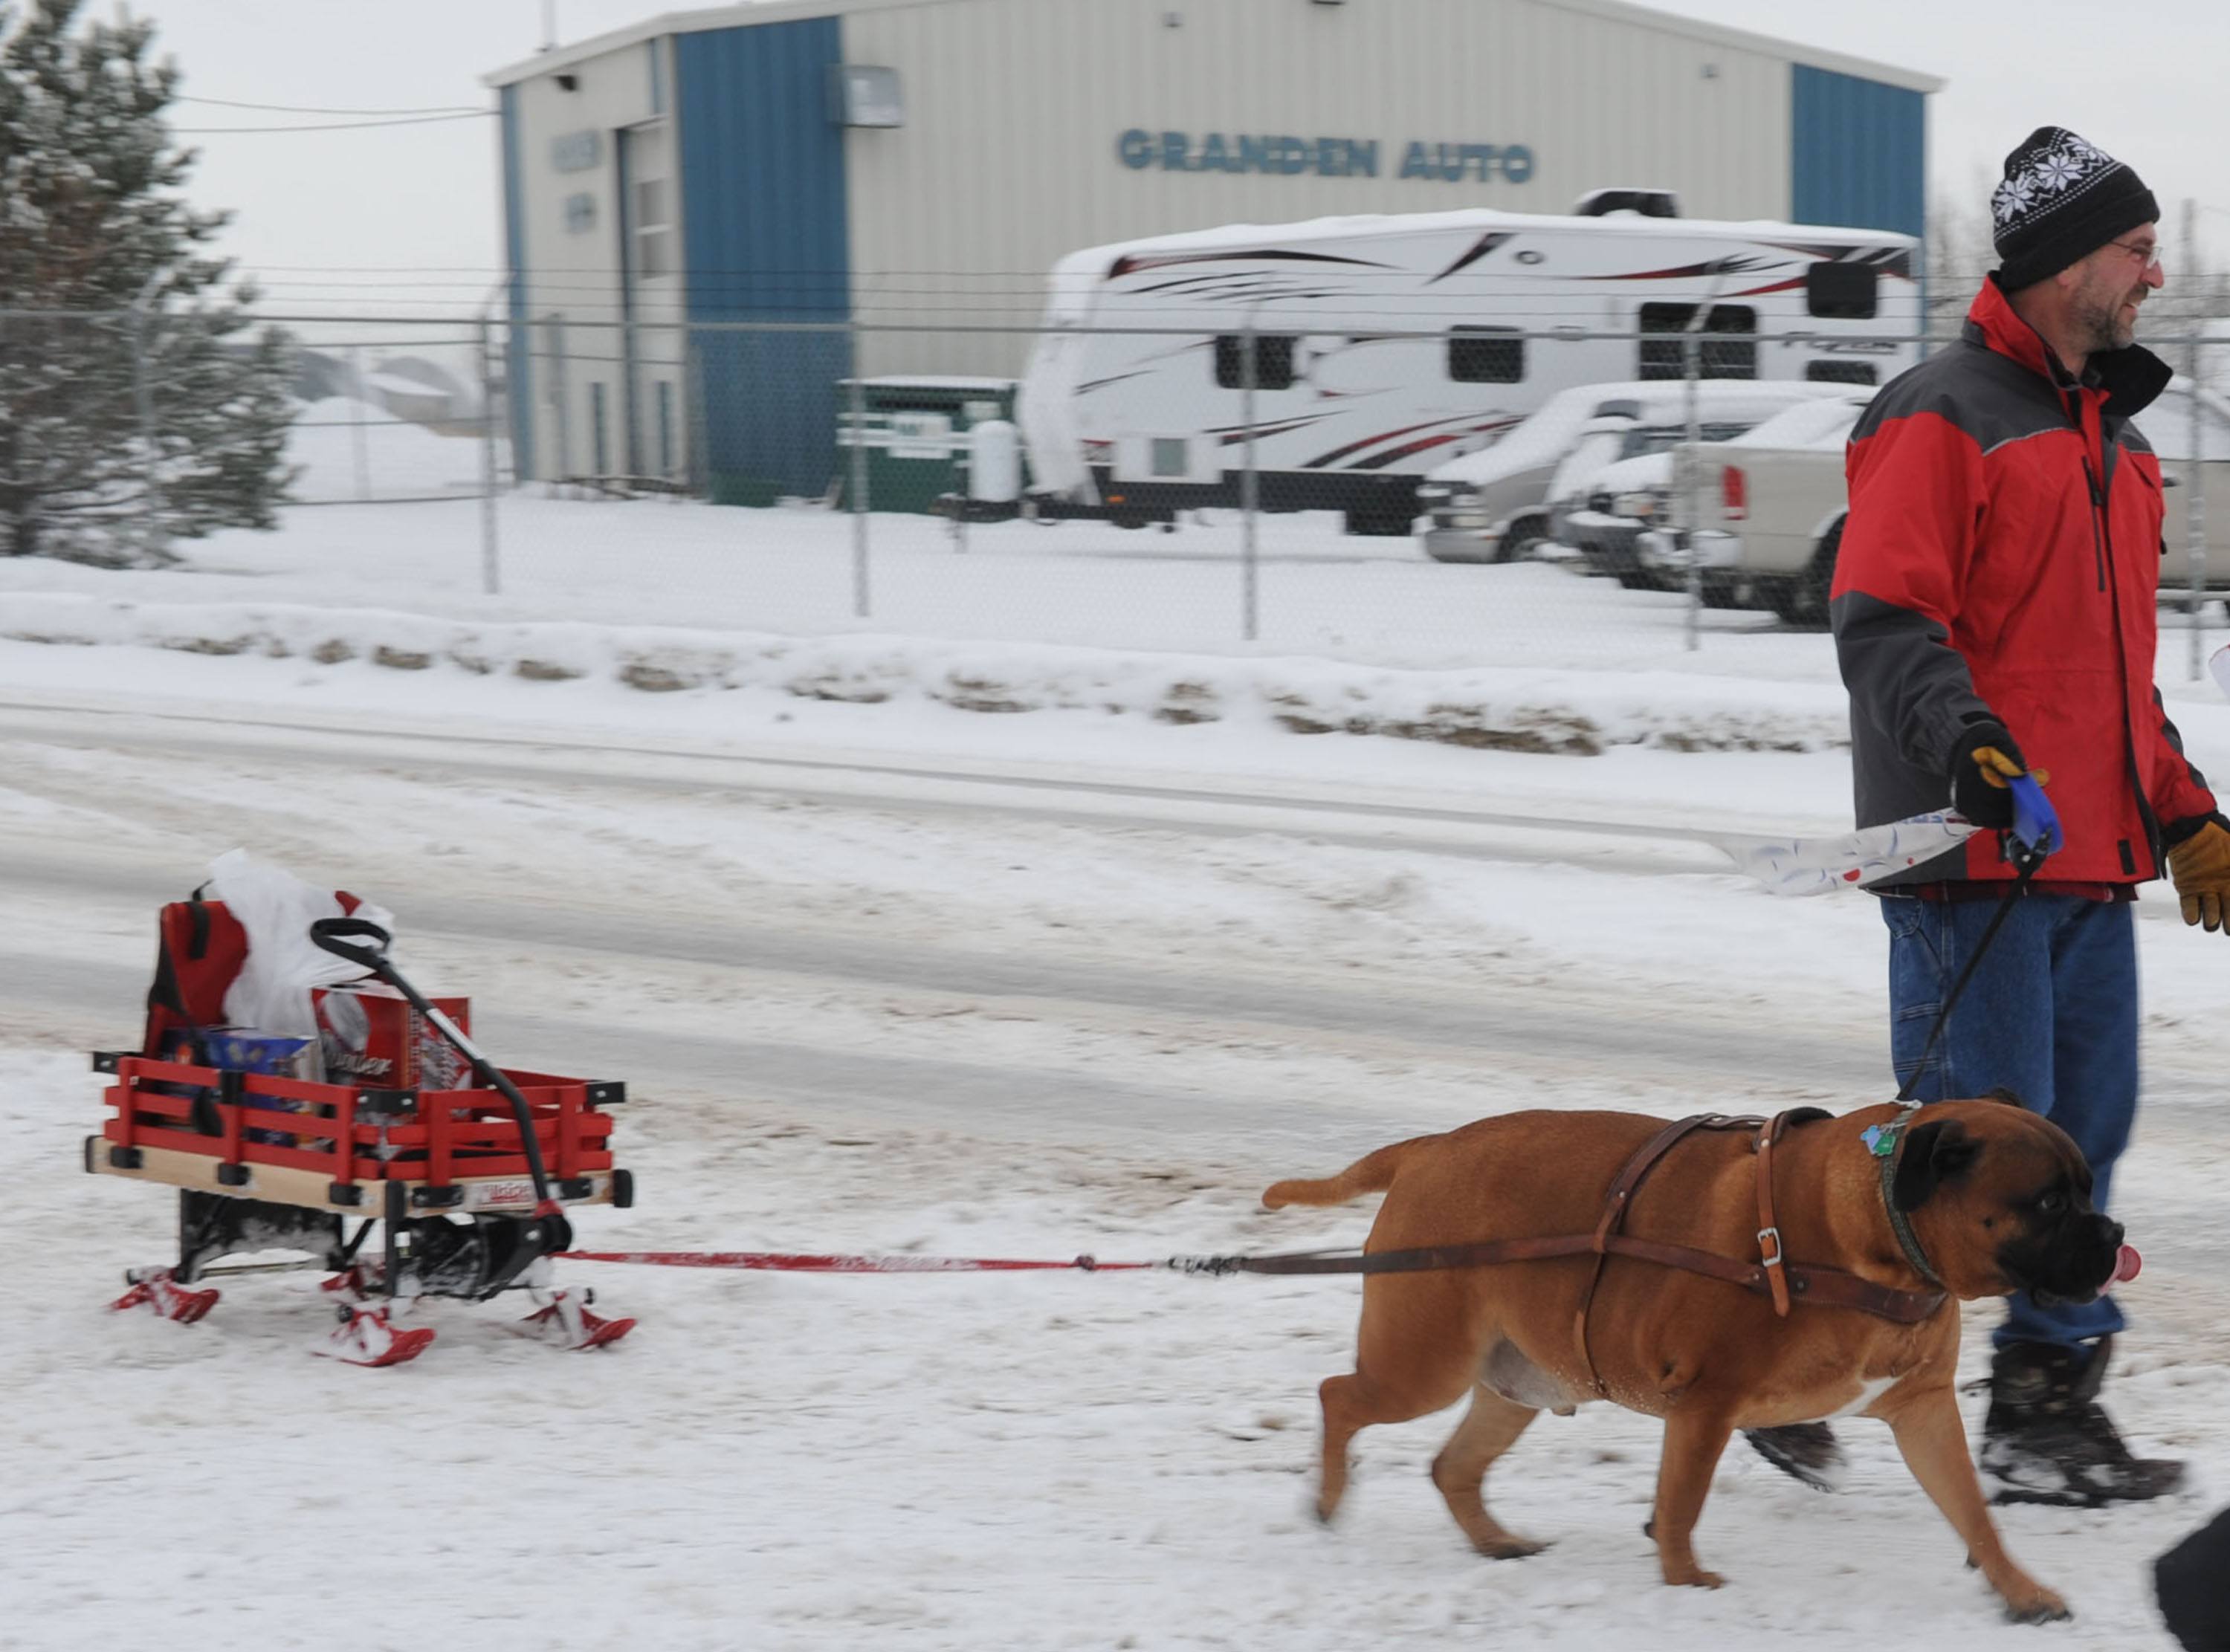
[271,992]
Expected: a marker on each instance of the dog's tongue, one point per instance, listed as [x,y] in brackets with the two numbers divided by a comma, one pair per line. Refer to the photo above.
[2126,1265]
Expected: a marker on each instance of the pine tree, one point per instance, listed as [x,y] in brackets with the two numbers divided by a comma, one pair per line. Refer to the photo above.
[136,404]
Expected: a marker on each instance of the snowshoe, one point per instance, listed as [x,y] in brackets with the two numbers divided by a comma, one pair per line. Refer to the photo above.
[364,1337]
[567,1323]
[161,1294]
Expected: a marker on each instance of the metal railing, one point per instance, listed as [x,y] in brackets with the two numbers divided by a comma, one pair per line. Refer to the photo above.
[1267,473]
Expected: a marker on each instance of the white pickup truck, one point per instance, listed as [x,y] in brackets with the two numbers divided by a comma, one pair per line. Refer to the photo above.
[1771,505]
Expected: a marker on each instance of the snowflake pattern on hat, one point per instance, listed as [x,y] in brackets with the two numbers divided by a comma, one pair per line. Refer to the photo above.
[2051,176]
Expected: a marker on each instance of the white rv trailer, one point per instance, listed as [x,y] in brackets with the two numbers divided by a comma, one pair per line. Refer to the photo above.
[1383,346]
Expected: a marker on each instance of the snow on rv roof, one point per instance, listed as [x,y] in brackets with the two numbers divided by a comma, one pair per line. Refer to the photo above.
[1379,225]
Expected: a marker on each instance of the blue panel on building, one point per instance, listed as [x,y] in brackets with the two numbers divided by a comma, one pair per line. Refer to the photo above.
[765,238]
[517,358]
[1858,151]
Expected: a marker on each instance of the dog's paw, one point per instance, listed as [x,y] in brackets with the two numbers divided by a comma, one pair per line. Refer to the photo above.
[1693,1577]
[2037,1605]
[1509,1546]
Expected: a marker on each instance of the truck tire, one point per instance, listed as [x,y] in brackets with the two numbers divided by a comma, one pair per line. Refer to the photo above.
[1518,539]
[1802,599]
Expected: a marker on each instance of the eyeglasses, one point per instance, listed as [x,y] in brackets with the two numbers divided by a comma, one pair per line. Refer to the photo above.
[2148,255]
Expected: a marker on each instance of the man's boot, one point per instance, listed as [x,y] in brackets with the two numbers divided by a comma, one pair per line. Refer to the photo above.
[1805,1451]
[2046,1441]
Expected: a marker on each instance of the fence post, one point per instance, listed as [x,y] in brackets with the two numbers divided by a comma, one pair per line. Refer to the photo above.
[491,575]
[1249,489]
[359,444]
[143,397]
[857,488]
[561,396]
[1689,508]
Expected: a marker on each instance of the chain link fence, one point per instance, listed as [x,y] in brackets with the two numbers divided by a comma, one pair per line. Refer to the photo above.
[1470,495]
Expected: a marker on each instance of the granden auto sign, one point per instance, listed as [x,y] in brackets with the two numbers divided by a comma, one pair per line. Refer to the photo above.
[1217,152]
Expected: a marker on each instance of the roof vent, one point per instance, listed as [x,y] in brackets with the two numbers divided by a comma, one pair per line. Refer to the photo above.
[1650,203]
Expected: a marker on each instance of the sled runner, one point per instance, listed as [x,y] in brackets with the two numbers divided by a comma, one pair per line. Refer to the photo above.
[468,1176]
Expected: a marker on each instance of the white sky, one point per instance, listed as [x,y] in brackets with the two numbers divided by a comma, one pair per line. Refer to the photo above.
[391,218]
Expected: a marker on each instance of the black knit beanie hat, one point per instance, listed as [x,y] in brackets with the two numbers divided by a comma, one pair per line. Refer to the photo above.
[2062,200]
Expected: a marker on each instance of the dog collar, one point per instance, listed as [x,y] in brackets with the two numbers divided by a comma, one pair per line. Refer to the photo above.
[1886,1143]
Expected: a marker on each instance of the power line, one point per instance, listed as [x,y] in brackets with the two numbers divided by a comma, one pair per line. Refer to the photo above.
[344,125]
[306,109]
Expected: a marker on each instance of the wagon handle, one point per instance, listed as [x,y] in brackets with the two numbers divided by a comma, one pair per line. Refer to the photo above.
[327,933]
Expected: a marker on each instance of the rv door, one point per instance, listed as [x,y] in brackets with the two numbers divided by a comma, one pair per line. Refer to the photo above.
[1046,406]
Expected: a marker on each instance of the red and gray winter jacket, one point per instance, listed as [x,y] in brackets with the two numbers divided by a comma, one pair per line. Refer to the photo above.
[1999,562]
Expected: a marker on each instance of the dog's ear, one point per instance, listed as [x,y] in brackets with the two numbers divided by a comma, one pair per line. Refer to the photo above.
[1937,1154]
[2007,1094]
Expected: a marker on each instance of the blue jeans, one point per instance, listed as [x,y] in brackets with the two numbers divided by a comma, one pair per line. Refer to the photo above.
[2051,1014]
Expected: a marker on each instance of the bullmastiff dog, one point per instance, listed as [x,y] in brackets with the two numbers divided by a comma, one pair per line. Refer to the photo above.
[1895,1208]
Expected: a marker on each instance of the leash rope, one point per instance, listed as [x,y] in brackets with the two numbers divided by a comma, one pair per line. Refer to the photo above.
[2025,863]
[1294,1262]
[788,1262]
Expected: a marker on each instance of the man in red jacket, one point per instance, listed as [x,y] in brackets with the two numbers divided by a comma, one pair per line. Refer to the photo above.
[1994,608]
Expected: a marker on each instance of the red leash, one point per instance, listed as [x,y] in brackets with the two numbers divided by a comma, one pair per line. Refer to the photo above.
[791,1263]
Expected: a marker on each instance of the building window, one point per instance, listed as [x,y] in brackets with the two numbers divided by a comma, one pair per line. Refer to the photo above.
[1274,361]
[597,447]
[1486,356]
[653,229]
[666,427]
[1841,373]
[580,214]
[1666,357]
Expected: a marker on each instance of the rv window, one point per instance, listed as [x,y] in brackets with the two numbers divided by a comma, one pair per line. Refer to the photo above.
[1486,356]
[1840,291]
[1274,361]
[1662,357]
[1658,439]
[1167,456]
[1841,373]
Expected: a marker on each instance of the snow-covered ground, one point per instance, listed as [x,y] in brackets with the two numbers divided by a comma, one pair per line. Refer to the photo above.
[791,570]
[901,974]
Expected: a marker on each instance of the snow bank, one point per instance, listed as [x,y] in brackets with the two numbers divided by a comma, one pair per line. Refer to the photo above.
[1512,709]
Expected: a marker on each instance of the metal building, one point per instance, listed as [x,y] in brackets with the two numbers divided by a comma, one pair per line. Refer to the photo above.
[917,166]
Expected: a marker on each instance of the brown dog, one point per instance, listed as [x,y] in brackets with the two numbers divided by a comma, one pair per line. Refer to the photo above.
[1995,1198]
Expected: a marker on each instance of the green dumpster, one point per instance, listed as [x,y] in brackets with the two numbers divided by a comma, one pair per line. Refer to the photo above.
[914,427]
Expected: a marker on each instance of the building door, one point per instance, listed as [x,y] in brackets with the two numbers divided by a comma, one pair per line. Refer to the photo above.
[650,344]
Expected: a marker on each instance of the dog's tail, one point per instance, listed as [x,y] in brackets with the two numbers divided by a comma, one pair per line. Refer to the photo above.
[1372,1173]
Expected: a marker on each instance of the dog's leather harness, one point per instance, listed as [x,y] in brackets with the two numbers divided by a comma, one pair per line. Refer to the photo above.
[1772,1276]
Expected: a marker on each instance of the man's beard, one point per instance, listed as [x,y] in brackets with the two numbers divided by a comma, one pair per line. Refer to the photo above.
[2102,326]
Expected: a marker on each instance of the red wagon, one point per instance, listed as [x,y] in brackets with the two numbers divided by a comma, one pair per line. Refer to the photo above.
[468,1184]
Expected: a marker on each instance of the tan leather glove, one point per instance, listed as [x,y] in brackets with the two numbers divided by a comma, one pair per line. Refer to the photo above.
[2200,868]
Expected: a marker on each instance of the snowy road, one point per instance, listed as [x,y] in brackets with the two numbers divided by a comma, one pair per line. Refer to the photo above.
[1391,1008]
[958,1004]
